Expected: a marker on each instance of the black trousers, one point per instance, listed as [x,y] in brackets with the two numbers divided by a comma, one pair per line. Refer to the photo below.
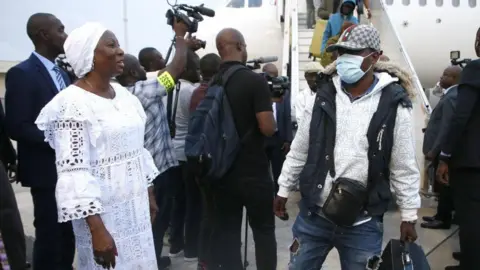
[164,186]
[311,14]
[276,156]
[54,246]
[445,205]
[11,225]
[466,188]
[187,215]
[221,233]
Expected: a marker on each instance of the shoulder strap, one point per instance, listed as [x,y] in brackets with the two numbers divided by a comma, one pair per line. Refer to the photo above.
[229,72]
[225,76]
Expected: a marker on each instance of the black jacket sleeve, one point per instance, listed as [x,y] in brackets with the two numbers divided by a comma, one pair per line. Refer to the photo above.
[468,94]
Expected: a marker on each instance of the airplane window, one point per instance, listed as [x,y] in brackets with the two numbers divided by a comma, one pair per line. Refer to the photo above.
[406,2]
[389,2]
[236,4]
[456,3]
[439,3]
[254,3]
[472,3]
[422,3]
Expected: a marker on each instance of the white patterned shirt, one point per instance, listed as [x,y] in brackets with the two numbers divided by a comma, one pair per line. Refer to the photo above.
[351,148]
[157,133]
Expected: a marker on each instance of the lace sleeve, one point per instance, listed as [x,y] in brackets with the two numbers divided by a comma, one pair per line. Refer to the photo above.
[77,191]
[71,131]
[151,171]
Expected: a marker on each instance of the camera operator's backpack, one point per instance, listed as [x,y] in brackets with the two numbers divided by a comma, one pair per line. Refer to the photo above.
[212,141]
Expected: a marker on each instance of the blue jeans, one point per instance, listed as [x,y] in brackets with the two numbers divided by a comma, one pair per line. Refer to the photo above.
[314,237]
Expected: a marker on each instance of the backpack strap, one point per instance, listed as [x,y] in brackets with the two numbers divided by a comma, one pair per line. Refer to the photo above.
[225,77]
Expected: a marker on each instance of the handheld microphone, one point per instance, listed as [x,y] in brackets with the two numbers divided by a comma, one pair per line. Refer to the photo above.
[263,60]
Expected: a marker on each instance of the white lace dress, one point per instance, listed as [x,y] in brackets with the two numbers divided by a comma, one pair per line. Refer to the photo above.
[102,169]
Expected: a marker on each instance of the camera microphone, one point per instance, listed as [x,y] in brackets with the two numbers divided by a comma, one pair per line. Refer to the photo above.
[205,11]
[263,60]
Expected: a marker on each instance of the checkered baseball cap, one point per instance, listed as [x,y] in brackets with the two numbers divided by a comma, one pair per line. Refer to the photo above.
[358,37]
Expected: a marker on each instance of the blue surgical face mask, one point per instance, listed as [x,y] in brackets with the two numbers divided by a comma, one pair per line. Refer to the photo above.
[349,67]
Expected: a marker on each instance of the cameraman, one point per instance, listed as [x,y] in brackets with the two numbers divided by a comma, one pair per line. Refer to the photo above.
[247,184]
[278,145]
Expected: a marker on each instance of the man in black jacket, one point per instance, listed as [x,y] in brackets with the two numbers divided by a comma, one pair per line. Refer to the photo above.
[460,161]
[435,135]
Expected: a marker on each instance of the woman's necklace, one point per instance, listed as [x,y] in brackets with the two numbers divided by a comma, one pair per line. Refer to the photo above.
[111,92]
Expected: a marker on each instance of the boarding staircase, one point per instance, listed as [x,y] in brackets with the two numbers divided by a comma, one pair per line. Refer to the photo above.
[304,39]
[296,45]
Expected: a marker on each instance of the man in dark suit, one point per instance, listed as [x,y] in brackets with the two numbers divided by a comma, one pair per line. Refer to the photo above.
[278,145]
[460,162]
[435,135]
[30,85]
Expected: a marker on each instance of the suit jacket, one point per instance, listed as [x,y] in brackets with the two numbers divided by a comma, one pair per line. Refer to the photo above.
[463,140]
[284,118]
[437,128]
[29,87]
[8,156]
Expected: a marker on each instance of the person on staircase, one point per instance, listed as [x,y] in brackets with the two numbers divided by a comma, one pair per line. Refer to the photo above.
[335,22]
[311,20]
[326,58]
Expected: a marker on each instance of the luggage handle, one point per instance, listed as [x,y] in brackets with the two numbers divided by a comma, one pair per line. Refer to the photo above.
[406,260]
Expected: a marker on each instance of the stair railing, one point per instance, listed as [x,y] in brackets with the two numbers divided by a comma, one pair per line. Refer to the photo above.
[290,45]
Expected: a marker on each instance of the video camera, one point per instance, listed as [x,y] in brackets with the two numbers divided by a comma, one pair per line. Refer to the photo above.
[195,12]
[278,85]
[262,60]
[454,56]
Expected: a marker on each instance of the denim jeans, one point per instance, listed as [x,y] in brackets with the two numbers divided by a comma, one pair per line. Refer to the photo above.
[314,237]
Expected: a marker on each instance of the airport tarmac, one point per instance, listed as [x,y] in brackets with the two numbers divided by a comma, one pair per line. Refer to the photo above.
[428,239]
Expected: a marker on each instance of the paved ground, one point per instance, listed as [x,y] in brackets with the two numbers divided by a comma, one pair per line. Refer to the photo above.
[429,239]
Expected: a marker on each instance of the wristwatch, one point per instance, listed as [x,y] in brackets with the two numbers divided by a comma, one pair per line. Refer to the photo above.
[444,158]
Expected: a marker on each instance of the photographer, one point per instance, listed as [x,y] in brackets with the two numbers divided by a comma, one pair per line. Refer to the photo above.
[157,134]
[247,184]
[278,145]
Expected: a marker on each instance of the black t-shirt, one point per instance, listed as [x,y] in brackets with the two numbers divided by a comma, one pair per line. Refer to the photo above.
[248,93]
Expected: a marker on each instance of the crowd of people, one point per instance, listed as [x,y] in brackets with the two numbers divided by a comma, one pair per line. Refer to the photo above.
[109,176]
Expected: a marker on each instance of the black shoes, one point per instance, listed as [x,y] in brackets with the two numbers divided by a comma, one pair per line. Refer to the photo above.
[164,263]
[457,255]
[436,224]
[429,219]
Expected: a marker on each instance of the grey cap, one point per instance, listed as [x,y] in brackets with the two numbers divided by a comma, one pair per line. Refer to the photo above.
[358,37]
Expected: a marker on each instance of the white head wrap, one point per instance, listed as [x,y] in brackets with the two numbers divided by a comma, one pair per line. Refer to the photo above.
[80,46]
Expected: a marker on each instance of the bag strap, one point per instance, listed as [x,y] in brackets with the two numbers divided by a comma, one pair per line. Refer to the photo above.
[172,109]
[225,77]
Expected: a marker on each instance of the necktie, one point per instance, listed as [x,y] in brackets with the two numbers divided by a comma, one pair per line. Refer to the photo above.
[61,82]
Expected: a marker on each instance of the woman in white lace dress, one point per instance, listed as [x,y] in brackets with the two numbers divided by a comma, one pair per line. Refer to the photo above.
[104,173]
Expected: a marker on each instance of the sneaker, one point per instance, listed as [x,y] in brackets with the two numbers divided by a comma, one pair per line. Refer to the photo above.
[190,259]
[175,253]
[164,263]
